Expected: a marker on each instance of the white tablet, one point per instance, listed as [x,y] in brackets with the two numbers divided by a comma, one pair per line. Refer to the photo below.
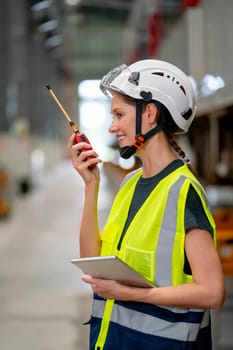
[111,267]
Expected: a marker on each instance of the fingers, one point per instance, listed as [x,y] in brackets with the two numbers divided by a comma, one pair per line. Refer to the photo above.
[83,156]
[71,141]
[90,280]
[78,147]
[84,150]
[87,279]
[103,288]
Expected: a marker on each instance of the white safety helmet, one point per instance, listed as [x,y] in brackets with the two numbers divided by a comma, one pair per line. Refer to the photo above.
[156,80]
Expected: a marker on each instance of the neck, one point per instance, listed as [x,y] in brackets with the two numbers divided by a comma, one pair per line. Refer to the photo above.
[155,155]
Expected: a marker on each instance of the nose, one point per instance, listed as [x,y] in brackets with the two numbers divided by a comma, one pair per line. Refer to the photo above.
[113,126]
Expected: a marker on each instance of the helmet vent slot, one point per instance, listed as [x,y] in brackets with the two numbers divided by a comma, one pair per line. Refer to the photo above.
[182,88]
[161,74]
[158,73]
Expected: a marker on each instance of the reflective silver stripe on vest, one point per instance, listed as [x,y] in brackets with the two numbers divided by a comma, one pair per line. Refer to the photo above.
[206,319]
[200,189]
[203,194]
[163,269]
[148,324]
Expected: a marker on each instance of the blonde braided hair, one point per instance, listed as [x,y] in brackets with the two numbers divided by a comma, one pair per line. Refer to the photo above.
[180,152]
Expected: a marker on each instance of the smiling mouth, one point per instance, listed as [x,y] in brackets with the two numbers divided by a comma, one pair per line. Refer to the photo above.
[120,138]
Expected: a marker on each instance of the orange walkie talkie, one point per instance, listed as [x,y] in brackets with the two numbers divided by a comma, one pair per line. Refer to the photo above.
[79,136]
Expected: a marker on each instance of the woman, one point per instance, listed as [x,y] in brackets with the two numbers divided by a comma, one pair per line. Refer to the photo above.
[159,223]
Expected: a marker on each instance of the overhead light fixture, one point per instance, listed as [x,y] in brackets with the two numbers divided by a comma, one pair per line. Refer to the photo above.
[210,84]
[52,40]
[41,5]
[72,2]
[46,24]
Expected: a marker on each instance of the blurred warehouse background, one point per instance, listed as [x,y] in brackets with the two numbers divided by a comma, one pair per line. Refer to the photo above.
[71,44]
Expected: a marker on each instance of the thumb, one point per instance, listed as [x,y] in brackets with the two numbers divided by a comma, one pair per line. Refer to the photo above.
[87,279]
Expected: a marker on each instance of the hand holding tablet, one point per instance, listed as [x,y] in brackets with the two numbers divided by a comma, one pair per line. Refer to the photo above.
[111,267]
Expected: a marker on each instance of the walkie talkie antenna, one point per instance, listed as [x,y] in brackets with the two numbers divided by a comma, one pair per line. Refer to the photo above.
[79,136]
[73,126]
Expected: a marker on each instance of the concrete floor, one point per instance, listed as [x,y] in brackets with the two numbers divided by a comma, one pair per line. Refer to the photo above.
[43,303]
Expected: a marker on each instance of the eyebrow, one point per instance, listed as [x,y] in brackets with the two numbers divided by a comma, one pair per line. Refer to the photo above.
[114,110]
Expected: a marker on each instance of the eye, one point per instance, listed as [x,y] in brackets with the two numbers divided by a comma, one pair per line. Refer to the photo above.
[118,115]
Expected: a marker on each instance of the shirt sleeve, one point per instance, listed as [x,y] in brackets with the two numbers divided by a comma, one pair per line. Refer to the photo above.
[194,217]
[194,213]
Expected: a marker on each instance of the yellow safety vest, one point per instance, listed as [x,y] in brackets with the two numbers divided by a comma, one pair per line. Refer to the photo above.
[154,241]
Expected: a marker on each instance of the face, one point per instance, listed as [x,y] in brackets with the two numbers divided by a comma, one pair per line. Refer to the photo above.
[123,120]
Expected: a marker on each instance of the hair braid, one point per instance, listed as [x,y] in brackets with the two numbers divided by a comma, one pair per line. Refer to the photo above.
[175,146]
[180,152]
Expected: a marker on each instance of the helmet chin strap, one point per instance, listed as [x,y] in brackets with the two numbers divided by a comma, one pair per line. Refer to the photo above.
[140,139]
[127,151]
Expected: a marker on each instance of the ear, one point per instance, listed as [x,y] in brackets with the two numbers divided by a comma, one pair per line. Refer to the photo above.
[151,113]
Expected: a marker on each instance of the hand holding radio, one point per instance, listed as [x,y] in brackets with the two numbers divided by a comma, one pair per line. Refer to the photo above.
[79,136]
